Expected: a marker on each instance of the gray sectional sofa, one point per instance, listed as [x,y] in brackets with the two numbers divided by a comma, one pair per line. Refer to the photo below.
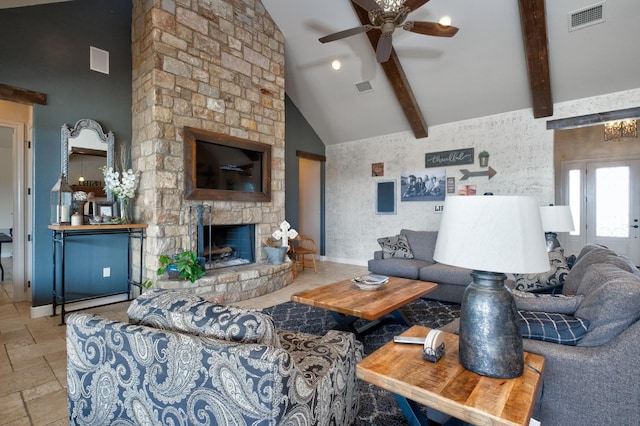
[596,382]
[592,377]
[416,262]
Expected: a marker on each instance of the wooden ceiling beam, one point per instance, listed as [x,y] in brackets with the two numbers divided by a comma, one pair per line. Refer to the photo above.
[534,33]
[396,76]
[594,119]
[23,96]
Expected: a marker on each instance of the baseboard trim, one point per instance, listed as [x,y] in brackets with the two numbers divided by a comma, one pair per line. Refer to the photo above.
[346,261]
[46,310]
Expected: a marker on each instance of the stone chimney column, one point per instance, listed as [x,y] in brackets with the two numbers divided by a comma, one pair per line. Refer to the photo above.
[213,65]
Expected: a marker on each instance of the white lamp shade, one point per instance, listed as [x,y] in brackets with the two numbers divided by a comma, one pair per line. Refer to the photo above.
[556,219]
[492,233]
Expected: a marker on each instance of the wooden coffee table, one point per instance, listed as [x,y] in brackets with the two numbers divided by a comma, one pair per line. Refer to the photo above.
[347,303]
[450,388]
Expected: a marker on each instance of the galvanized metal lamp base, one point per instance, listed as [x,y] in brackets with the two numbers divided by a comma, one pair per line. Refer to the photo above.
[490,338]
[552,241]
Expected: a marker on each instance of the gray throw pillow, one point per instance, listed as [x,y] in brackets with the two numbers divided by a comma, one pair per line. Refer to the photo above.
[422,243]
[554,277]
[590,255]
[552,303]
[611,305]
[396,246]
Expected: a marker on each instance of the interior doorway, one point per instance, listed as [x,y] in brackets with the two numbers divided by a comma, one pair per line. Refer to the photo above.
[15,215]
[604,204]
[310,199]
[15,123]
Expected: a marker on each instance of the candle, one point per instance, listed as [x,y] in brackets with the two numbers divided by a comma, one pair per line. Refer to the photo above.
[63,213]
[76,219]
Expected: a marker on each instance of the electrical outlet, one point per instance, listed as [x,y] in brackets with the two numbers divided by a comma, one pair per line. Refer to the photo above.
[106,272]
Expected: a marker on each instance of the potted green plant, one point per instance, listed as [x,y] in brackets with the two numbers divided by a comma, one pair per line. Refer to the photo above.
[182,265]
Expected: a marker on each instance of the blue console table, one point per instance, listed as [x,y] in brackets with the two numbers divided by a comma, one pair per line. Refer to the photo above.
[62,234]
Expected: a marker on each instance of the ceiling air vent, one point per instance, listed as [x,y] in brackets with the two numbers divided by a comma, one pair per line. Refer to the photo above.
[364,87]
[586,17]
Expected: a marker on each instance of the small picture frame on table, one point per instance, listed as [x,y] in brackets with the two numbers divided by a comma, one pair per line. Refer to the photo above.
[105,209]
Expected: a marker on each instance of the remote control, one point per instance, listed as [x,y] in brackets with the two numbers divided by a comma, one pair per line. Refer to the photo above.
[414,340]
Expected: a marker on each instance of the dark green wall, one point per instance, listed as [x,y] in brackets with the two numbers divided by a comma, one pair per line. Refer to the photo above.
[299,136]
[46,49]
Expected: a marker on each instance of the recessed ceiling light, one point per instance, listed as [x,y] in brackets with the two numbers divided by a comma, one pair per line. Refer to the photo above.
[336,65]
[445,20]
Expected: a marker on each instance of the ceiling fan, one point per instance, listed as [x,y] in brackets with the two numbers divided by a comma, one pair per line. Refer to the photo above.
[386,16]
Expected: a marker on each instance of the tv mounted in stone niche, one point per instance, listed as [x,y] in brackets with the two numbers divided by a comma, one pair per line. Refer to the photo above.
[226,168]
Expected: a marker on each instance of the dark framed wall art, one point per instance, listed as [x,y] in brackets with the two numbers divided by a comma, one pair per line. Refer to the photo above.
[386,197]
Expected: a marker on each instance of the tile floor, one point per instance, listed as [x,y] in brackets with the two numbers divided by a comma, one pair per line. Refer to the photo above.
[33,357]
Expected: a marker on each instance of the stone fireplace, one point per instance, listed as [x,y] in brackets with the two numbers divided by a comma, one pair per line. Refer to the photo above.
[216,66]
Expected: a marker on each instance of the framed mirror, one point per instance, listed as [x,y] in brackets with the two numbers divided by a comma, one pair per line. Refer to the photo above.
[85,149]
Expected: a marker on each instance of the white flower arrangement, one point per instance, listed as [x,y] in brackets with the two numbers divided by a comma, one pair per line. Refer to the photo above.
[123,189]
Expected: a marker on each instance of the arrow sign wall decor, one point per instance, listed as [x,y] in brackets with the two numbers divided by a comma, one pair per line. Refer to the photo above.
[466,174]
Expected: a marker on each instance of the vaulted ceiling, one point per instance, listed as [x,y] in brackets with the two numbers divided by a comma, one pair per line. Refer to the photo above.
[507,56]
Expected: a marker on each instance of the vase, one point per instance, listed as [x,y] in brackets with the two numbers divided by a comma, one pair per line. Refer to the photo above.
[173,271]
[125,215]
[275,255]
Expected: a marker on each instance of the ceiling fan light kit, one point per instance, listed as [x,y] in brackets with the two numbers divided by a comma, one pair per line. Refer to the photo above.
[386,16]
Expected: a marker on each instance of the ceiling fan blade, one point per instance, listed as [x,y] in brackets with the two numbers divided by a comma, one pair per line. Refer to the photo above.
[414,4]
[430,28]
[367,5]
[345,33]
[383,51]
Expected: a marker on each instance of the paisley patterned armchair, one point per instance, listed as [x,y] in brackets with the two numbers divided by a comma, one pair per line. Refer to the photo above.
[186,361]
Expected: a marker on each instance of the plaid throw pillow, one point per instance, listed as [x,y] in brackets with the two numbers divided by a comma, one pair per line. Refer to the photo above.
[396,246]
[550,327]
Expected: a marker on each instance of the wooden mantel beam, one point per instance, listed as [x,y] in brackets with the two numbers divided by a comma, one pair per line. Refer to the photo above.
[394,72]
[534,33]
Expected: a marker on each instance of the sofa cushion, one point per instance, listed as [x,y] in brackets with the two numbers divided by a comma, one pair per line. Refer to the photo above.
[446,274]
[403,268]
[553,303]
[179,310]
[611,302]
[396,246]
[590,255]
[551,327]
[554,277]
[422,243]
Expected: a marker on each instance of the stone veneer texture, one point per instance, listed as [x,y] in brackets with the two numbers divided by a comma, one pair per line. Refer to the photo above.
[212,65]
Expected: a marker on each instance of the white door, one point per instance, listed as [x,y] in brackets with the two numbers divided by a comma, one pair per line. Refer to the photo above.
[606,205]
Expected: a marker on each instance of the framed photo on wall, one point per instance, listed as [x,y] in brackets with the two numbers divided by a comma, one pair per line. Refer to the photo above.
[451,185]
[423,185]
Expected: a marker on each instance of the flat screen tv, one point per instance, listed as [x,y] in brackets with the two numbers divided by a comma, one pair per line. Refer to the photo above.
[223,167]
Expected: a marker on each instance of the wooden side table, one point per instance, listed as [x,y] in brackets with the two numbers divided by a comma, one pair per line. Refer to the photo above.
[448,387]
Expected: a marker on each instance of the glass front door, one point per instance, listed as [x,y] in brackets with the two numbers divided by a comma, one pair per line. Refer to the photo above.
[604,201]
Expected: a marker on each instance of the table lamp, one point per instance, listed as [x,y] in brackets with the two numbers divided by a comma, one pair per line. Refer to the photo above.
[555,219]
[491,235]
